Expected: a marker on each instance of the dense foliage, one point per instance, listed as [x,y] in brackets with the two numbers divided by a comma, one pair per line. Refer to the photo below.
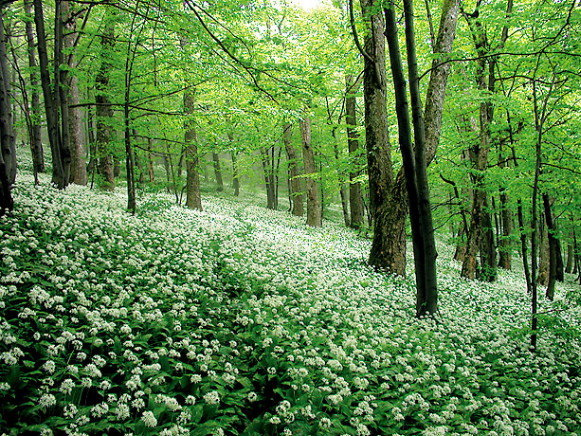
[238,320]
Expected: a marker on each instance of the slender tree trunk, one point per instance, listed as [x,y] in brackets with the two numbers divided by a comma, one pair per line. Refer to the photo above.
[355,198]
[7,136]
[295,184]
[269,180]
[235,174]
[555,263]
[314,207]
[414,160]
[343,189]
[570,259]
[218,172]
[35,137]
[53,95]
[193,196]
[505,259]
[150,171]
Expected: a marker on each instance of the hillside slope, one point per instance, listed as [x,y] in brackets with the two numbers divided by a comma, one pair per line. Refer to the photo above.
[240,320]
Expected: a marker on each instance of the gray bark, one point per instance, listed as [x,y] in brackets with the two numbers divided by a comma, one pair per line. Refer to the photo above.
[314,206]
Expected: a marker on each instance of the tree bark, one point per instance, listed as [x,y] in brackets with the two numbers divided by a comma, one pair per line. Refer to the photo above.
[53,92]
[505,257]
[478,233]
[193,196]
[218,172]
[270,177]
[388,249]
[77,144]
[414,161]
[295,184]
[314,207]
[104,110]
[235,174]
[570,259]
[555,260]
[7,135]
[34,135]
[355,199]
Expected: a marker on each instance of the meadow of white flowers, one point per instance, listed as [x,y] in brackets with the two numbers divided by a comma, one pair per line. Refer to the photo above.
[242,321]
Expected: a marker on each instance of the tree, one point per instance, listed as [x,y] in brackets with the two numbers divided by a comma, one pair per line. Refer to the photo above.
[296,191]
[55,93]
[33,114]
[314,206]
[387,193]
[355,196]
[480,234]
[104,109]
[7,135]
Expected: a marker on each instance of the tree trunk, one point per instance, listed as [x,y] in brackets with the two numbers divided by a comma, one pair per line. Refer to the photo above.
[53,95]
[218,172]
[555,267]
[314,207]
[389,243]
[570,259]
[7,136]
[235,174]
[61,92]
[150,172]
[77,145]
[505,258]
[355,199]
[388,247]
[35,136]
[267,160]
[104,110]
[295,184]
[341,179]
[414,160]
[193,196]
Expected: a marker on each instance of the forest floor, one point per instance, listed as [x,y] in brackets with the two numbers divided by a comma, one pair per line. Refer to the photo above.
[243,321]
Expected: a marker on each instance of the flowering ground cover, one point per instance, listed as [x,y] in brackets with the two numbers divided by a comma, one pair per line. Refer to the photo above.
[242,321]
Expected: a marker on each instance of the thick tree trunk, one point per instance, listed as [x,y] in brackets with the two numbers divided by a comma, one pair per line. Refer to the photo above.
[218,172]
[104,110]
[7,136]
[314,207]
[77,144]
[34,134]
[355,199]
[296,190]
[388,247]
[61,92]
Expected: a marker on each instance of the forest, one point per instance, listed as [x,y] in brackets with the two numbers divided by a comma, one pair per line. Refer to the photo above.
[290,217]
